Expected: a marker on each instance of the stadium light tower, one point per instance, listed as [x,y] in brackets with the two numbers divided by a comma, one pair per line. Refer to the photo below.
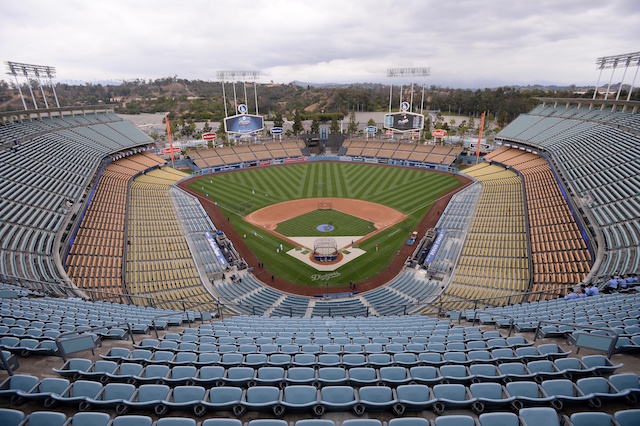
[403,73]
[235,76]
[33,71]
[612,62]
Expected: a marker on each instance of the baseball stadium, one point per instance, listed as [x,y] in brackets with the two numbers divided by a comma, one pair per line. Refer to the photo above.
[384,280]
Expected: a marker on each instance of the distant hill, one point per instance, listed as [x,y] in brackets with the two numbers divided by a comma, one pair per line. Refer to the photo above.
[202,100]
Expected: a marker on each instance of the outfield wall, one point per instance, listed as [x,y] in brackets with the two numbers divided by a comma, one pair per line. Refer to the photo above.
[345,159]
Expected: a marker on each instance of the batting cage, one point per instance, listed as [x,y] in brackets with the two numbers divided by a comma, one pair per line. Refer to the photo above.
[325,249]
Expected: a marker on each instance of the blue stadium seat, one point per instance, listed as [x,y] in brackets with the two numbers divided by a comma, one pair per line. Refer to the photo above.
[315,422]
[498,419]
[239,376]
[111,395]
[338,398]
[409,421]
[304,360]
[627,417]
[45,418]
[274,376]
[564,391]
[489,396]
[75,393]
[210,375]
[330,376]
[413,397]
[18,382]
[99,370]
[151,374]
[262,398]
[600,389]
[89,419]
[223,398]
[362,422]
[486,373]
[146,396]
[301,376]
[10,417]
[125,372]
[354,360]
[454,420]
[181,398]
[455,396]
[175,421]
[267,422]
[302,398]
[515,371]
[132,420]
[363,376]
[379,359]
[73,367]
[538,416]
[592,419]
[376,398]
[626,381]
[601,363]
[221,422]
[394,376]
[455,374]
[44,389]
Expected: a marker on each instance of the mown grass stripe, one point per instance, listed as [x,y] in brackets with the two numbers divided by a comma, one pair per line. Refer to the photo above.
[411,191]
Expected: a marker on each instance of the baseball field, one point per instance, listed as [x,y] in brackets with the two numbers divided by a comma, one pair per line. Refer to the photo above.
[241,195]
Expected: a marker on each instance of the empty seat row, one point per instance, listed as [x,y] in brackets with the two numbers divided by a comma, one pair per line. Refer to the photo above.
[434,356]
[525,417]
[215,375]
[89,396]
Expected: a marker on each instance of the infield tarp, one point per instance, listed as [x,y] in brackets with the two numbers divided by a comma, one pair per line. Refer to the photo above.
[216,250]
[434,248]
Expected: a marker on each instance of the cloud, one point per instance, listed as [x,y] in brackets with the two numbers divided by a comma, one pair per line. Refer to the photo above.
[466,42]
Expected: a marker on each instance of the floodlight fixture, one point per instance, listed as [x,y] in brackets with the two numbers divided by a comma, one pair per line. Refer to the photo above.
[625,60]
[238,75]
[29,71]
[409,72]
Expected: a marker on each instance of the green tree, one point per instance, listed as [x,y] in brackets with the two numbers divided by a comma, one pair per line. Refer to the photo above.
[502,120]
[353,124]
[371,122]
[278,121]
[206,128]
[297,123]
[315,125]
[334,127]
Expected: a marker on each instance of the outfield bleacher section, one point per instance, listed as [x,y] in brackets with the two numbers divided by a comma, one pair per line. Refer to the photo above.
[559,254]
[95,261]
[597,150]
[226,155]
[159,263]
[45,168]
[494,260]
[434,154]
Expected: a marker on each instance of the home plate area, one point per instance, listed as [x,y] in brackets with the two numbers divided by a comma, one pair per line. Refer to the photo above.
[344,247]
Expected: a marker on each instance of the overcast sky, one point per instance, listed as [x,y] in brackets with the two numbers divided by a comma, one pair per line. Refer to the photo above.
[467,43]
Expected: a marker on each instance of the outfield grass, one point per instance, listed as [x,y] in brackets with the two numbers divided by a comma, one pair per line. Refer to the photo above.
[343,225]
[410,191]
